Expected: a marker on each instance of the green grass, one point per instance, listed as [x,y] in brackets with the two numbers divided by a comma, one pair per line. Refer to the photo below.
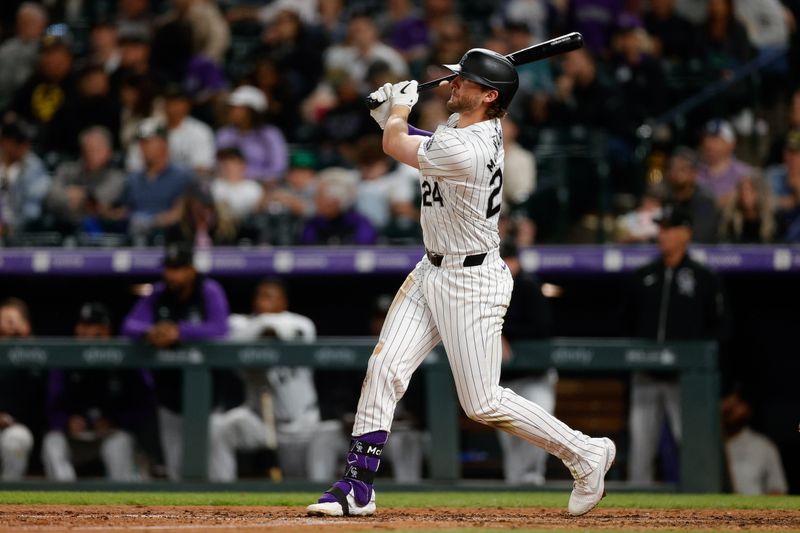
[405,499]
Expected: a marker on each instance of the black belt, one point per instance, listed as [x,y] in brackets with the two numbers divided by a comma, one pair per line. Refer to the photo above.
[469,261]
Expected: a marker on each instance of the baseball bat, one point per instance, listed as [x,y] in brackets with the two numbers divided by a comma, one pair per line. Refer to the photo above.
[559,45]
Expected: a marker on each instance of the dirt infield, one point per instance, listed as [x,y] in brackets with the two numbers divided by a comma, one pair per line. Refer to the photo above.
[57,518]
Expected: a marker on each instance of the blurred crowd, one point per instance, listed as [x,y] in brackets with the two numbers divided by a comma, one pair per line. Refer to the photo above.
[139,122]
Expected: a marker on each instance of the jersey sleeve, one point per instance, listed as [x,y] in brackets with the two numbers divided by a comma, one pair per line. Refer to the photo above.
[446,155]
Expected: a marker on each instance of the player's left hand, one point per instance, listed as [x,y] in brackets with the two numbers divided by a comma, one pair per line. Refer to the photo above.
[381,113]
[405,93]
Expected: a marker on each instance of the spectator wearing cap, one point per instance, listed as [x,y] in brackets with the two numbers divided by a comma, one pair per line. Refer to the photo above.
[23,178]
[88,187]
[720,170]
[529,317]
[94,414]
[183,308]
[784,180]
[151,201]
[263,145]
[191,141]
[292,202]
[336,220]
[18,54]
[683,189]
[671,298]
[51,86]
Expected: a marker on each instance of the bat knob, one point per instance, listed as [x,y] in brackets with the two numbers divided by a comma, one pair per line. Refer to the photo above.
[371,102]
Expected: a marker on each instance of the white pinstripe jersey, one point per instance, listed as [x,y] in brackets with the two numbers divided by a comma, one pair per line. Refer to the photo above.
[461,176]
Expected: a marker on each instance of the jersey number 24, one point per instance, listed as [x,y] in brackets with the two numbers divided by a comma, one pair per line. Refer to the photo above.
[431,194]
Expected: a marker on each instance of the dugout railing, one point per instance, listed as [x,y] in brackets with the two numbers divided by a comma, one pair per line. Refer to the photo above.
[694,362]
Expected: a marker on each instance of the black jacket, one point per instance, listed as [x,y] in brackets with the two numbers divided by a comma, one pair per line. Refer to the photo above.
[692,305]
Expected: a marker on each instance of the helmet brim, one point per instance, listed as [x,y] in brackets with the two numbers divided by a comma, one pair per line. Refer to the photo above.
[472,77]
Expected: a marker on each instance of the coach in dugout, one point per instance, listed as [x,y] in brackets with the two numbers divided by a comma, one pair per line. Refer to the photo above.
[672,298]
[185,307]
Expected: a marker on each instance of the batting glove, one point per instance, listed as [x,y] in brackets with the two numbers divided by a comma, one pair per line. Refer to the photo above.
[405,93]
[384,96]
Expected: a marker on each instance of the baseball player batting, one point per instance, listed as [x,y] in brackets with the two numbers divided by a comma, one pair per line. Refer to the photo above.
[458,292]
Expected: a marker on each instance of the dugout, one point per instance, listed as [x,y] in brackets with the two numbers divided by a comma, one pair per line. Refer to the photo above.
[761,354]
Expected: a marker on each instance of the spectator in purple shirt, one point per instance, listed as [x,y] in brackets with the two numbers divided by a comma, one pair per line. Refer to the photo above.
[185,307]
[263,145]
[720,171]
[336,220]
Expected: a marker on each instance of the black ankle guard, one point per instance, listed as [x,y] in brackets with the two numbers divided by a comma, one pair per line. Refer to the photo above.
[356,473]
[365,448]
[341,497]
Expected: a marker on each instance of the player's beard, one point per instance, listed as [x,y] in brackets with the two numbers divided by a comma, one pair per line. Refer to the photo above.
[464,103]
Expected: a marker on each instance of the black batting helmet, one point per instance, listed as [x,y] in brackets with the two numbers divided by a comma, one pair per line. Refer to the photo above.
[490,69]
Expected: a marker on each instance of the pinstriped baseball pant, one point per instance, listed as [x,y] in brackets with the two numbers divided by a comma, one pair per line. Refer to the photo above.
[464,308]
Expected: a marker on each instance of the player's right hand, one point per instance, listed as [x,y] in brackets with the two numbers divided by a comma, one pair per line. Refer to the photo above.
[384,96]
[405,93]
